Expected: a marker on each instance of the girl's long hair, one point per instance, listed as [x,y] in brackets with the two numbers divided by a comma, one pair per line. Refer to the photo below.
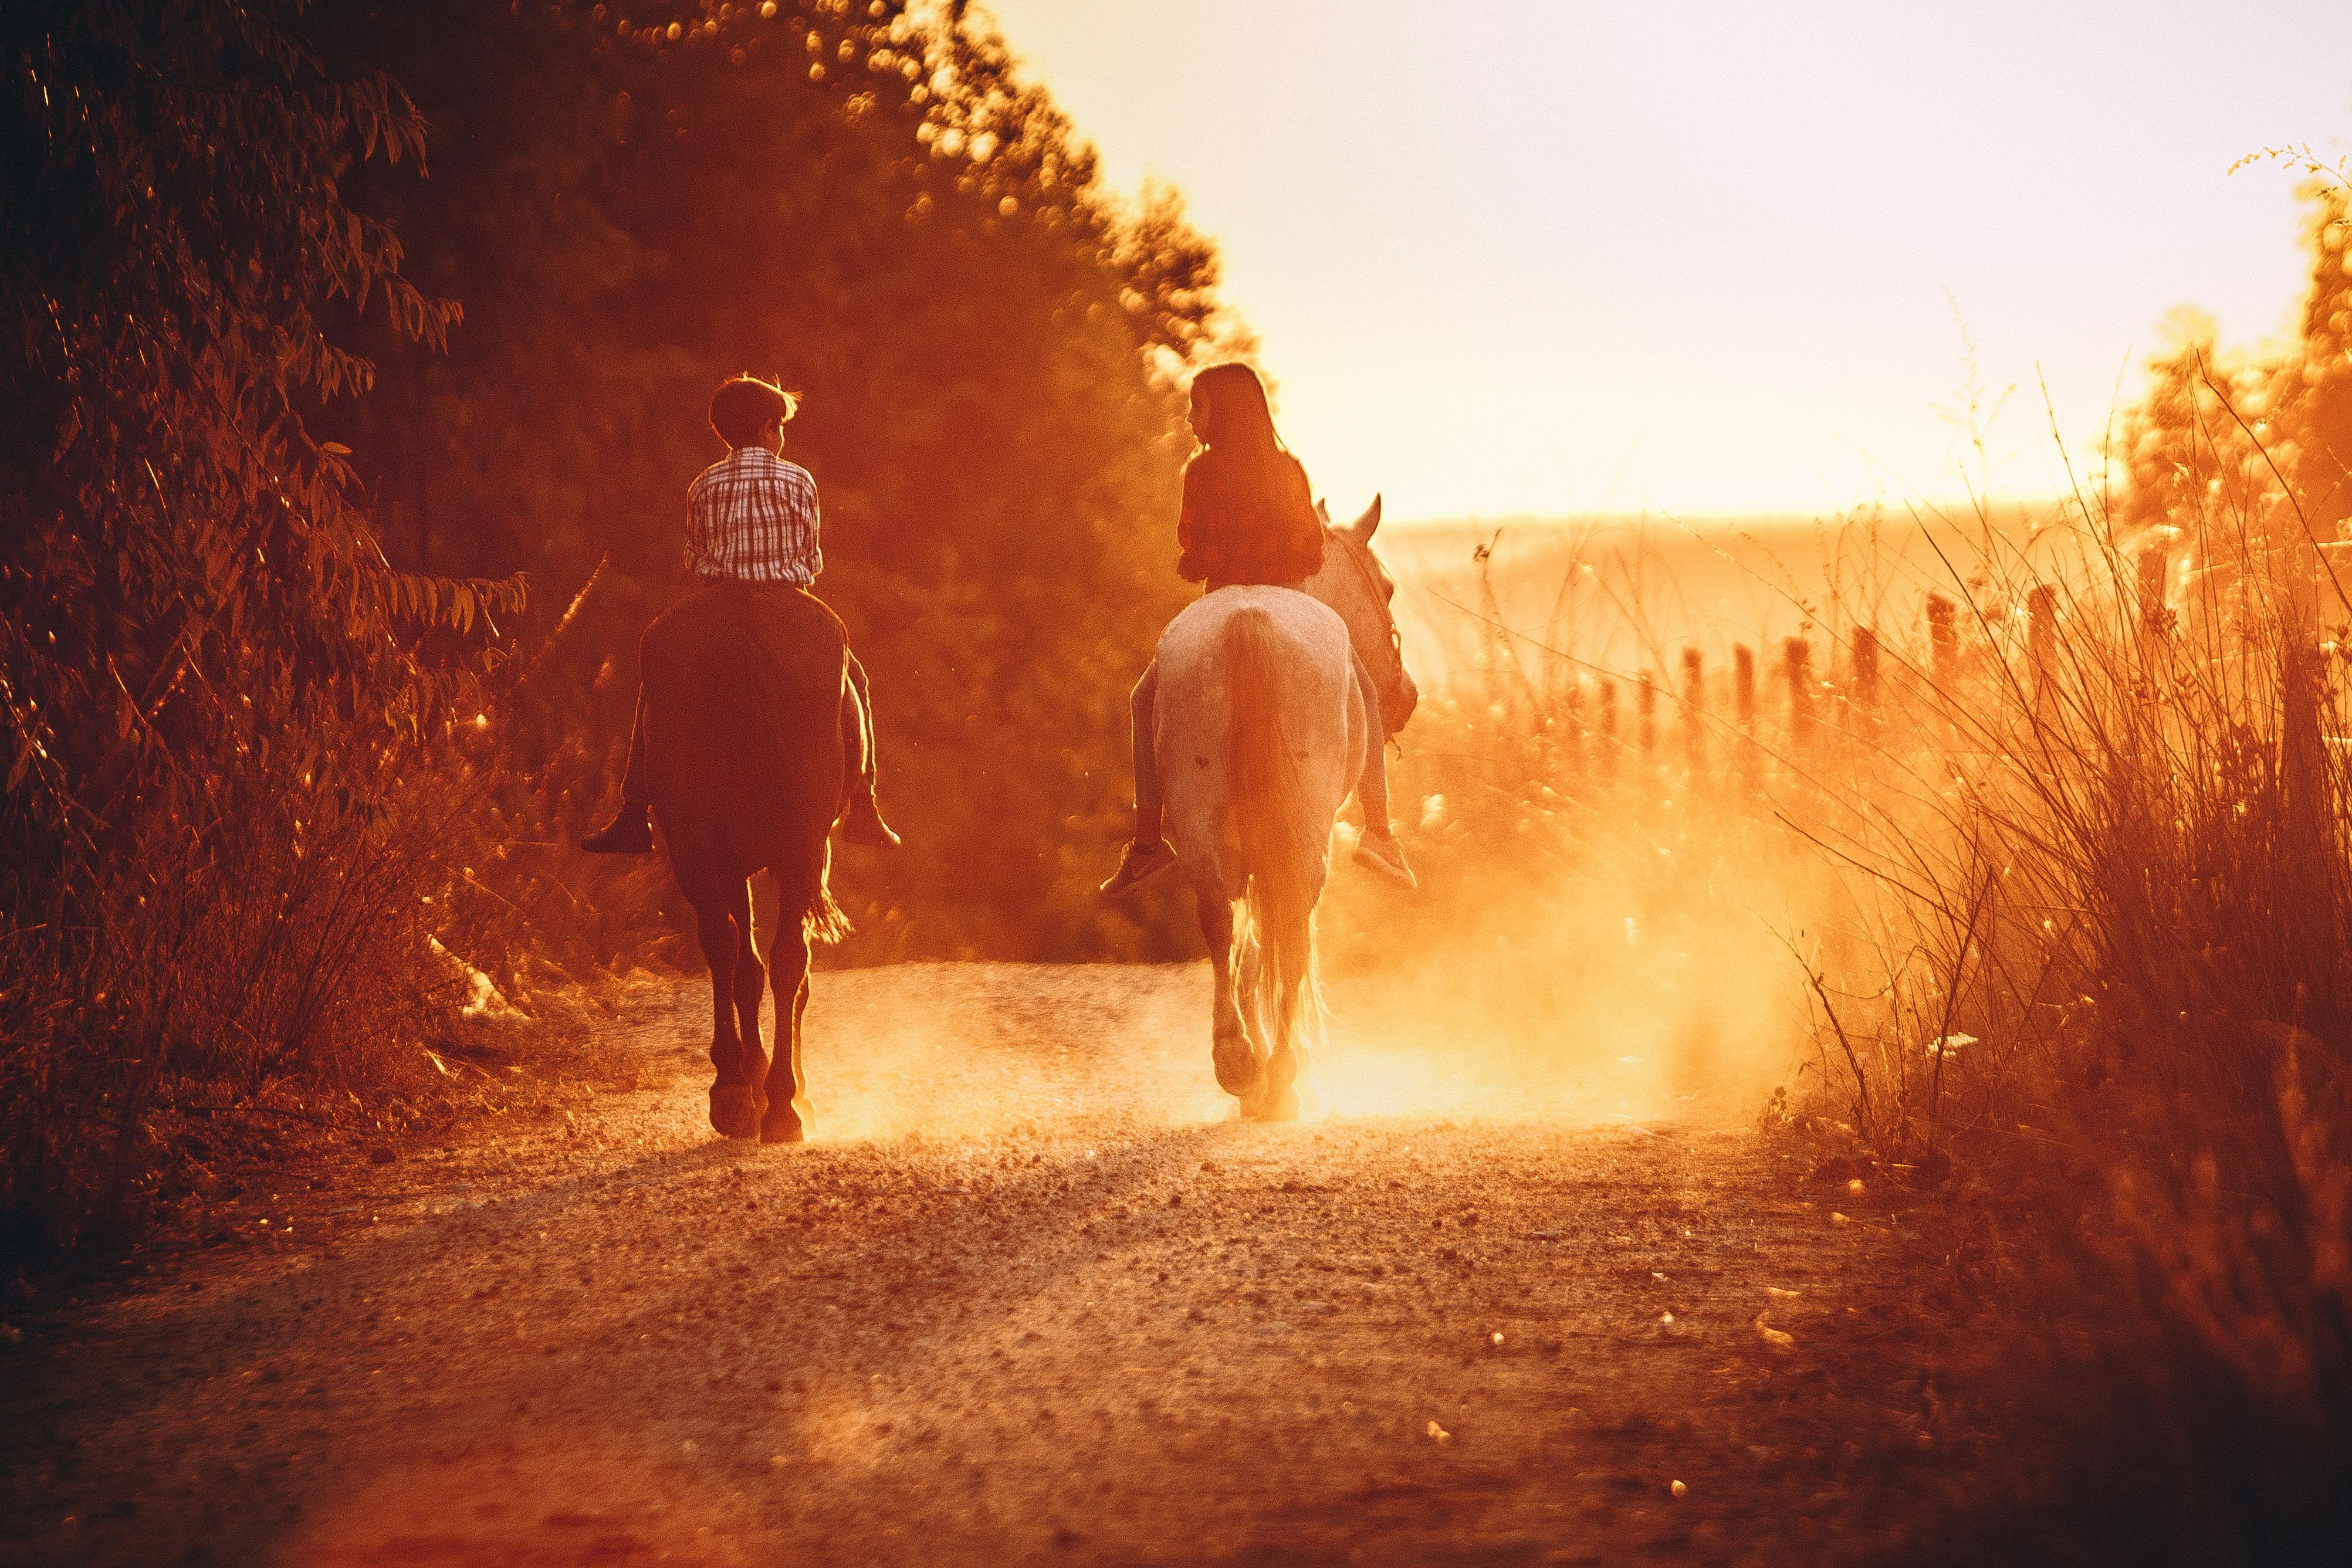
[1251,465]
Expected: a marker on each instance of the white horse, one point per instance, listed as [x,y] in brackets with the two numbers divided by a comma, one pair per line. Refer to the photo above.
[1261,729]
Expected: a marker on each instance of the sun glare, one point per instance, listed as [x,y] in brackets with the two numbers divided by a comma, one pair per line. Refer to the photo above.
[1723,260]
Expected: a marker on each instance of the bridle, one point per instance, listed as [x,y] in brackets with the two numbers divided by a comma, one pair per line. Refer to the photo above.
[1359,556]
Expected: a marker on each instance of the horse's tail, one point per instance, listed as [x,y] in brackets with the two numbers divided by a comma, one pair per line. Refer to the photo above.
[1274,827]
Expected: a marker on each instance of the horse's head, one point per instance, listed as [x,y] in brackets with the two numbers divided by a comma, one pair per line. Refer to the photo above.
[1355,583]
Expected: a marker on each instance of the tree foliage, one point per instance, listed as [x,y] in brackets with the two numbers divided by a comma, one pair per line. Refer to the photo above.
[287,424]
[2253,444]
[868,202]
[211,679]
[194,607]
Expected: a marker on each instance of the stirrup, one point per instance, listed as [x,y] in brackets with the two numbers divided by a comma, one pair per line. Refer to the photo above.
[864,825]
[630,833]
[1372,860]
[1137,863]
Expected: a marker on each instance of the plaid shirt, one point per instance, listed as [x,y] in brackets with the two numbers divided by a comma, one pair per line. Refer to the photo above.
[752,517]
[1229,539]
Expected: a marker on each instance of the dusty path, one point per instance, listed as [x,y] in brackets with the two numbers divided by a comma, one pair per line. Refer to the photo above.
[1030,1297]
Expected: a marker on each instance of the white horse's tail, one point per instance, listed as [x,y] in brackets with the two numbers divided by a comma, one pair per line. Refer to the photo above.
[1274,828]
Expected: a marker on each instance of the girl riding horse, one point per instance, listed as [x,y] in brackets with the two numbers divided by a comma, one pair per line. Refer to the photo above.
[1248,518]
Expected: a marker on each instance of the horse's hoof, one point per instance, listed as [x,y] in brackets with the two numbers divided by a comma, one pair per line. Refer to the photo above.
[1271,1105]
[786,1121]
[734,1112]
[1238,1069]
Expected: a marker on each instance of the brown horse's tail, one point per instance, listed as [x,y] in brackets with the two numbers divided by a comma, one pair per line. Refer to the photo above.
[1275,827]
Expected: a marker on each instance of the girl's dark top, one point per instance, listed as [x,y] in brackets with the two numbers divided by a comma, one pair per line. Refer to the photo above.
[1231,537]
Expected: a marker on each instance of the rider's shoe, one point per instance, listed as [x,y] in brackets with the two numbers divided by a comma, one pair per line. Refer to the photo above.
[630,833]
[864,825]
[1381,854]
[1138,862]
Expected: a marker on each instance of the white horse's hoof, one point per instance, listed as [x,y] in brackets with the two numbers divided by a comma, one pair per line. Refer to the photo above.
[1273,1105]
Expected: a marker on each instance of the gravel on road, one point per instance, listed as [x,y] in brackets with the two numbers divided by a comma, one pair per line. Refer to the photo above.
[1032,1294]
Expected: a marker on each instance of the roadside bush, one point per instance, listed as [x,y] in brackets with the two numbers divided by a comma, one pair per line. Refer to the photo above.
[218,698]
[2105,881]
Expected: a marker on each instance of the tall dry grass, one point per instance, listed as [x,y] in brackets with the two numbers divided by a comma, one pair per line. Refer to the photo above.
[2121,879]
[2029,889]
[2047,835]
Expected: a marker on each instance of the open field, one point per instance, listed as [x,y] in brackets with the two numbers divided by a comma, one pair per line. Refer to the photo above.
[1622,595]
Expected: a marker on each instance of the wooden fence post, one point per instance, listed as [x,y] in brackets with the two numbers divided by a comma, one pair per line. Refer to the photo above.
[2154,614]
[2041,641]
[1572,699]
[1797,658]
[1943,645]
[1865,680]
[1743,696]
[1609,725]
[1694,710]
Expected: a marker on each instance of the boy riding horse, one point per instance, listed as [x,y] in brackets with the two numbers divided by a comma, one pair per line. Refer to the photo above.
[752,517]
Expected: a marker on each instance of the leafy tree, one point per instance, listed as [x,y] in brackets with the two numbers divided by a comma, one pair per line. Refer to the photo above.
[206,663]
[875,207]
[269,489]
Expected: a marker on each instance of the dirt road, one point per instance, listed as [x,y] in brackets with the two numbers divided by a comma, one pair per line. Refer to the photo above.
[1031,1296]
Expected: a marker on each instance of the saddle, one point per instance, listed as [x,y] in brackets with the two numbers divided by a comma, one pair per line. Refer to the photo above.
[785,628]
[742,688]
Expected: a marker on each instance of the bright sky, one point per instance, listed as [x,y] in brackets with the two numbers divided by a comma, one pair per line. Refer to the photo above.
[1518,256]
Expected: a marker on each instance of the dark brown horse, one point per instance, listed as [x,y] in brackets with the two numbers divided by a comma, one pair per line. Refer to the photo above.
[746,773]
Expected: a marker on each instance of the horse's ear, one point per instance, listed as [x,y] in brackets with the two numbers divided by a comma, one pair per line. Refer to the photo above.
[1323,513]
[1363,528]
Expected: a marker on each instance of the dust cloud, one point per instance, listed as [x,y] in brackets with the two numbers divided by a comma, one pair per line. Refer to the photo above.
[1650,983]
[1609,927]
[1653,991]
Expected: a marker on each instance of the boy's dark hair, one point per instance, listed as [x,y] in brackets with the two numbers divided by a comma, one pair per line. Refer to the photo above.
[744,405]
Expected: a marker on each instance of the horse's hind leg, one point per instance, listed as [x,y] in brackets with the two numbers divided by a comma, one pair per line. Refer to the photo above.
[787,1117]
[1277,1098]
[751,990]
[734,1102]
[1236,1060]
